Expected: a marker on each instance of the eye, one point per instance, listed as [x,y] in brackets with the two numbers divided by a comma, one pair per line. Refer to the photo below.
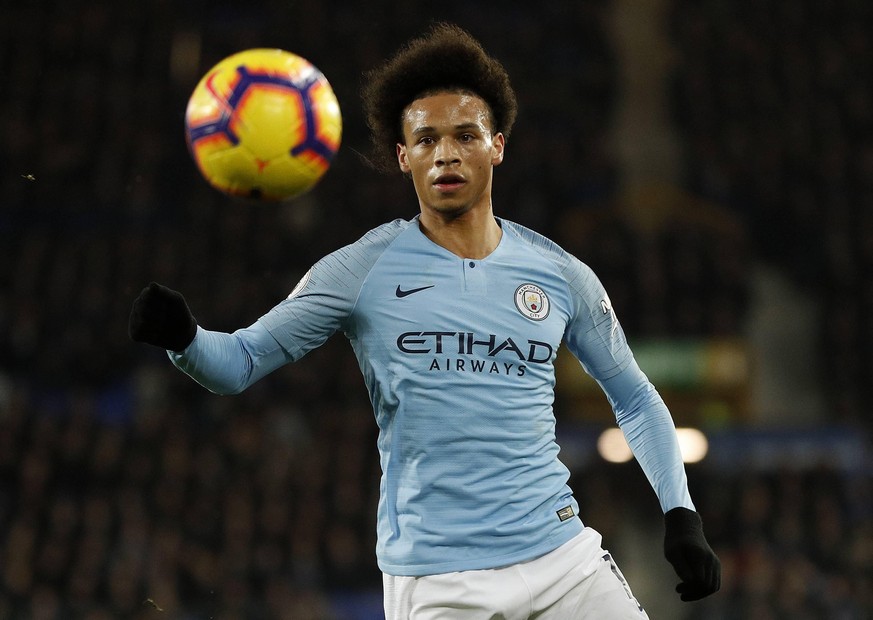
[426,140]
[467,137]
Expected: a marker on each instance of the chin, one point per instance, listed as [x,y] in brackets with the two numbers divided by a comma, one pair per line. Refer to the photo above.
[450,204]
[452,210]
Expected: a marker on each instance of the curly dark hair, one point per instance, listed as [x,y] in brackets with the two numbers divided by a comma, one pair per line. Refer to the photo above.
[447,58]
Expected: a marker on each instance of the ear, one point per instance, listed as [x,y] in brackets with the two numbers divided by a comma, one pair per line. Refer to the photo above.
[498,145]
[402,159]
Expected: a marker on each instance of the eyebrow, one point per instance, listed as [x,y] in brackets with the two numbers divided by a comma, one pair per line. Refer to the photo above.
[428,129]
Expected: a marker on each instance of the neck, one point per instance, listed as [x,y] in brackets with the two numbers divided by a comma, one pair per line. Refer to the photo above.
[474,234]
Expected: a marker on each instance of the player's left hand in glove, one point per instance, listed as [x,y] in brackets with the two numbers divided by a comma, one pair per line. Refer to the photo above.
[694,561]
[160,316]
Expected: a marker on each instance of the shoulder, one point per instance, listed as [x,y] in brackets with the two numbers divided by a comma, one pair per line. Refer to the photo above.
[358,257]
[382,236]
[581,283]
[377,240]
[570,267]
[345,268]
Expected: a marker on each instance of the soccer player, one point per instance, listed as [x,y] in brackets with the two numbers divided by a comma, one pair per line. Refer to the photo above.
[455,317]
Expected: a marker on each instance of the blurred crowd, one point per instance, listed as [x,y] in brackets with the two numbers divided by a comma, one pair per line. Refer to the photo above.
[774,101]
[793,544]
[127,491]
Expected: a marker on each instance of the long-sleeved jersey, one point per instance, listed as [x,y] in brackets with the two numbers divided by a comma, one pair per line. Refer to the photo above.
[457,355]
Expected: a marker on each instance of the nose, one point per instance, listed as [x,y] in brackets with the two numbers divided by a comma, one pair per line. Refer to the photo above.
[446,152]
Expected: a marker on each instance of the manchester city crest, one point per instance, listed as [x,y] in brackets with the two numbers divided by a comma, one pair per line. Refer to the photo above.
[532,302]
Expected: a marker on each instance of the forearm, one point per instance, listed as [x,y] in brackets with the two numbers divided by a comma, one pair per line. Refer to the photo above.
[648,427]
[229,363]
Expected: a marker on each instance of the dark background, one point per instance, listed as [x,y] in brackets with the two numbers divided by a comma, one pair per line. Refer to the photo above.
[723,192]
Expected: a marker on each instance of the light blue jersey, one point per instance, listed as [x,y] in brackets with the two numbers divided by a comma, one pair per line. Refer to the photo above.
[457,355]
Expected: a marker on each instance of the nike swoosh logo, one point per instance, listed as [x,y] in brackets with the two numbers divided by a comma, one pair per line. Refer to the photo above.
[401,293]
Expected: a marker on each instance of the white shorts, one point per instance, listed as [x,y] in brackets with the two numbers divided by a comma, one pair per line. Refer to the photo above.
[578,580]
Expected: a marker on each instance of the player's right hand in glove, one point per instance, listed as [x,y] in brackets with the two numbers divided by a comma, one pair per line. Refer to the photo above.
[160,316]
[685,547]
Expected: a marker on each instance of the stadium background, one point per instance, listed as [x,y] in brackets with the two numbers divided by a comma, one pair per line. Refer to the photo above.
[712,160]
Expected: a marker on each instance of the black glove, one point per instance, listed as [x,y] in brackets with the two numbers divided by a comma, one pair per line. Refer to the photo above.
[695,562]
[161,317]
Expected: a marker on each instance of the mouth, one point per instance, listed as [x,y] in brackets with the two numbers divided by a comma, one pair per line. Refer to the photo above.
[449,182]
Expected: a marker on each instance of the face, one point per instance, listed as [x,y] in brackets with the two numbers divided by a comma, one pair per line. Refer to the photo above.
[450,151]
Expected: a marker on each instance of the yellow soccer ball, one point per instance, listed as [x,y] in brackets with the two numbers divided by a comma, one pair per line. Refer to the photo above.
[263,124]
